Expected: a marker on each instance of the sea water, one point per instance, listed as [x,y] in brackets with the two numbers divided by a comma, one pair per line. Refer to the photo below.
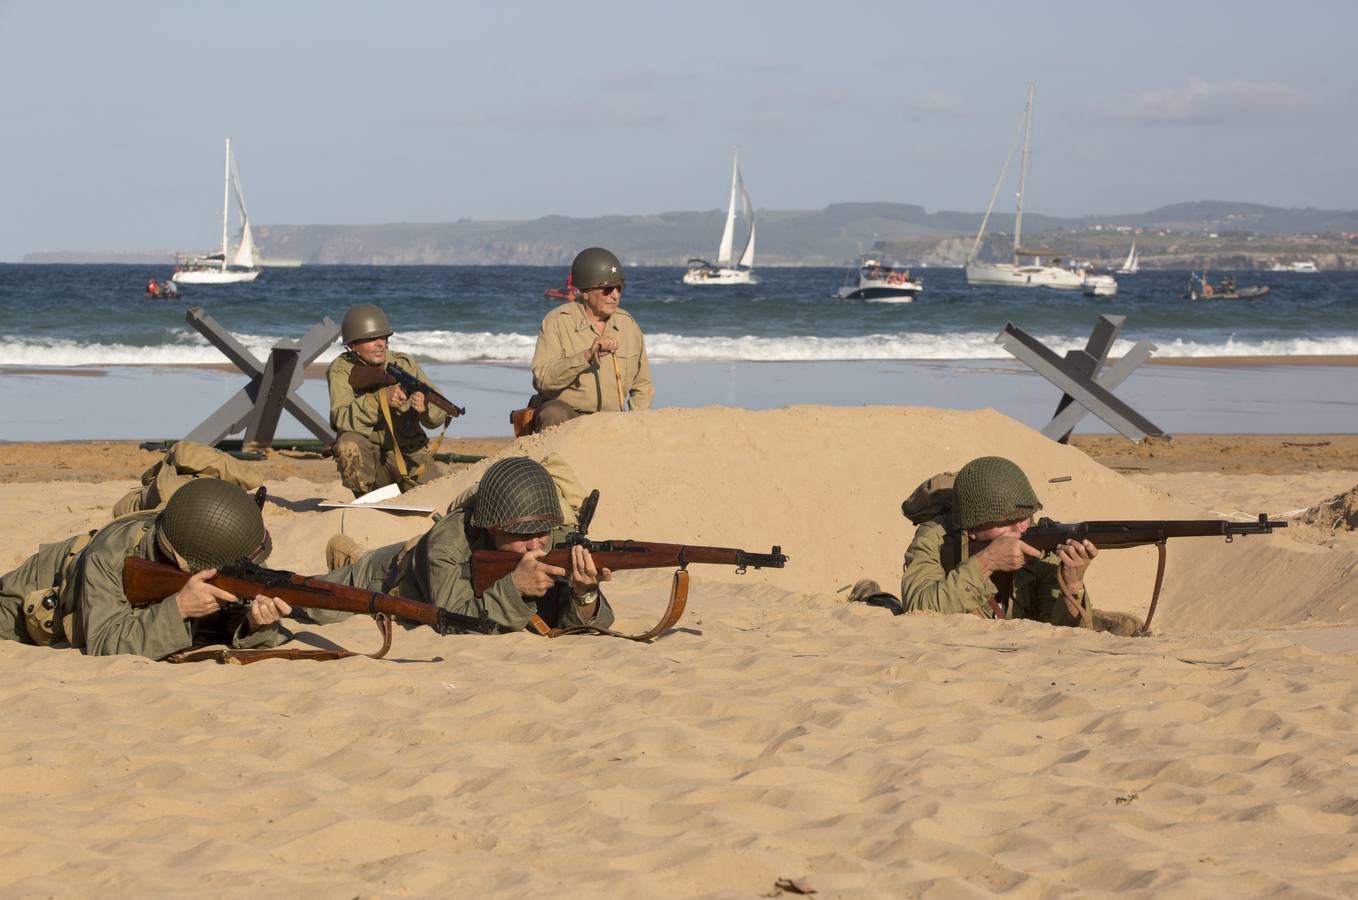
[782,341]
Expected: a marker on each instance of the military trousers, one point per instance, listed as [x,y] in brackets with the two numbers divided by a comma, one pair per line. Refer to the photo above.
[363,466]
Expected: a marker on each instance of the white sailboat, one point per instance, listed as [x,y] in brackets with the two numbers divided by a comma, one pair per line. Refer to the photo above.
[1016,273]
[722,272]
[225,268]
[1131,265]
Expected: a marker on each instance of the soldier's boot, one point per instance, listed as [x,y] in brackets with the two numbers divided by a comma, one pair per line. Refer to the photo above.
[1118,623]
[867,591]
[342,550]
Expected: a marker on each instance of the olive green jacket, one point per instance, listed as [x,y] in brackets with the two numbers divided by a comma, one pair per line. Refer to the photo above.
[362,413]
[39,572]
[926,585]
[563,371]
[437,570]
[106,623]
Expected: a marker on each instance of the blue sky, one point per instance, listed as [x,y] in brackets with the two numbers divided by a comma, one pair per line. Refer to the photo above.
[395,111]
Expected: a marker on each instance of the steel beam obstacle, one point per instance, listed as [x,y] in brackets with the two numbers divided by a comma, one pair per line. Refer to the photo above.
[1078,376]
[273,385]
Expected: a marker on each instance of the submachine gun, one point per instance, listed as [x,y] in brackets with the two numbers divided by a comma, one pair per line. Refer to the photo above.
[363,378]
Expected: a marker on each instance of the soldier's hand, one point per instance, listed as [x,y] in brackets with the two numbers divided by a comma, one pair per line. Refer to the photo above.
[197,598]
[417,402]
[396,396]
[1075,558]
[585,576]
[266,611]
[1005,554]
[532,576]
[601,346]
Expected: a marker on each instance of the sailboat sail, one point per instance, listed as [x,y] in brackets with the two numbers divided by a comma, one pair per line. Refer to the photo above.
[728,233]
[245,253]
[747,257]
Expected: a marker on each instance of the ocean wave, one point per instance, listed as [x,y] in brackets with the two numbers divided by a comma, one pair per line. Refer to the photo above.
[187,348]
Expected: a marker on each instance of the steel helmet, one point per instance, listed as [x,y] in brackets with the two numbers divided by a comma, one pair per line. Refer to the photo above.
[517,495]
[363,321]
[208,523]
[595,267]
[992,490]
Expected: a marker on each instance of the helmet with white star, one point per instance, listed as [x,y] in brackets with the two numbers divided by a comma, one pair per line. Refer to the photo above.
[595,267]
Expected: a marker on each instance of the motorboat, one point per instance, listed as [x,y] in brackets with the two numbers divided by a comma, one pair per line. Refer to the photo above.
[1199,288]
[225,267]
[702,272]
[1043,268]
[1307,266]
[1098,284]
[880,283]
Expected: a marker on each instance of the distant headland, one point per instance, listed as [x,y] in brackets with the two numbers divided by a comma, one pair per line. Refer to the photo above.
[1215,234]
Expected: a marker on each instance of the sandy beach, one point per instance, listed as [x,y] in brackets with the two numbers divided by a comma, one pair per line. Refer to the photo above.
[779,739]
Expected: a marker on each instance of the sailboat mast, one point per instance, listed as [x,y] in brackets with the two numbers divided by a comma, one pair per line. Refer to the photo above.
[226,199]
[1023,174]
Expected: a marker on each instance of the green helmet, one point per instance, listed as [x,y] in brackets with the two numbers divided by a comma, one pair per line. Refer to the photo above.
[992,490]
[595,267]
[517,495]
[208,523]
[363,321]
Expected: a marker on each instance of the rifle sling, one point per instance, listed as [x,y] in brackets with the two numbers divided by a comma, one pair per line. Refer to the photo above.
[395,440]
[1155,592]
[673,612]
[245,657]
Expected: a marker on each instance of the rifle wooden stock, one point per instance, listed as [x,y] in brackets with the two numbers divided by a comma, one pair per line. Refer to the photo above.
[363,378]
[1118,534]
[489,566]
[146,582]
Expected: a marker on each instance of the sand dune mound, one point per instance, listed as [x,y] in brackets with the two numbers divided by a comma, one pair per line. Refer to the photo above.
[1339,513]
[826,485]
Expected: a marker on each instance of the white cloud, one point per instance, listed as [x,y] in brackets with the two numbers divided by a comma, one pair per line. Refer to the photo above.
[1209,103]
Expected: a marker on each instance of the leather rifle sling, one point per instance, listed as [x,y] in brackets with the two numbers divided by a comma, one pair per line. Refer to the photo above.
[1155,592]
[674,611]
[391,429]
[245,657]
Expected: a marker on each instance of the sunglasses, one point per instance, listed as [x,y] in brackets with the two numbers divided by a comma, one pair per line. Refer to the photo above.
[611,289]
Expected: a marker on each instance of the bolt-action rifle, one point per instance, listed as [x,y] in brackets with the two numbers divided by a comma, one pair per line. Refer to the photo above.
[146,582]
[489,566]
[1119,534]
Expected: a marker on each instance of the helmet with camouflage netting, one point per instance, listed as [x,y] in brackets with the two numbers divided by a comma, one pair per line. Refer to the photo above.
[363,321]
[992,490]
[208,523]
[517,495]
[595,267]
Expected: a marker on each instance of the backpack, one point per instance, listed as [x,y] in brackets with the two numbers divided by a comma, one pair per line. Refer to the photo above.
[932,499]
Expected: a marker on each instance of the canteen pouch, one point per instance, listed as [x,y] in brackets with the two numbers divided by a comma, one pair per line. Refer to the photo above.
[40,616]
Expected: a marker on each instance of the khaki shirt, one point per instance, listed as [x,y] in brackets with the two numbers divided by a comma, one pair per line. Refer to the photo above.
[362,413]
[562,369]
[107,624]
[926,585]
[437,570]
